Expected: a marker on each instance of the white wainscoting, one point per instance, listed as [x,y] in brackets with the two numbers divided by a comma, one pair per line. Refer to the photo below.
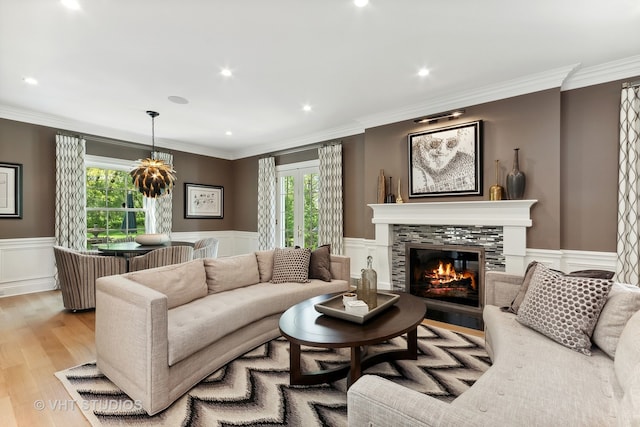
[27,265]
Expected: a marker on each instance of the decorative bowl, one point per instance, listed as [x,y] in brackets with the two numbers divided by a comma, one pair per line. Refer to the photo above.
[152,239]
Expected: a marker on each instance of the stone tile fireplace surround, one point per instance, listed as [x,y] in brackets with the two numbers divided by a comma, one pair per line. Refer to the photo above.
[498,226]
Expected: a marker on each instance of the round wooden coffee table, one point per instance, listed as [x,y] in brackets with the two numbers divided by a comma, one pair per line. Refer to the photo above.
[303,325]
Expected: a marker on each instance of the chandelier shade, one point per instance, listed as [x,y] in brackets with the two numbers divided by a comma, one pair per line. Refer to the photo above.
[153,177]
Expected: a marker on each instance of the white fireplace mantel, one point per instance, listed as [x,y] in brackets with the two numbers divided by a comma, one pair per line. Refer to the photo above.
[513,215]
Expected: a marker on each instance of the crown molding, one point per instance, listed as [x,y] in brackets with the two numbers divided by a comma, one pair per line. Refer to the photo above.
[615,70]
[78,127]
[507,89]
[315,138]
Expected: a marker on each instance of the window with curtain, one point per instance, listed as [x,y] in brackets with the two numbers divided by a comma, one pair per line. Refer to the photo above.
[115,209]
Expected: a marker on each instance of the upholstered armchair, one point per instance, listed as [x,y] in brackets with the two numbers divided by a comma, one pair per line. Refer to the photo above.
[161,257]
[77,274]
[206,248]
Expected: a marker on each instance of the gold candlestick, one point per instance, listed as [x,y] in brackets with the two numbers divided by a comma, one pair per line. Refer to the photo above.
[399,198]
[496,191]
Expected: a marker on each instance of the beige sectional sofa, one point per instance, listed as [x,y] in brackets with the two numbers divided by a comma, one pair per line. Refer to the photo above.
[533,381]
[161,331]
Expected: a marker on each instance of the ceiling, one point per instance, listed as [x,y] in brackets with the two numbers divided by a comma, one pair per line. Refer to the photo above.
[101,67]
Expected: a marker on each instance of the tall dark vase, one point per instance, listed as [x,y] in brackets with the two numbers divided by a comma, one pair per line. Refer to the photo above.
[516,180]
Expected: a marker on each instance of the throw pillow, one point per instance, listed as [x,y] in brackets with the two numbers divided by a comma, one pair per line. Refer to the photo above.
[265,265]
[226,273]
[622,303]
[291,265]
[564,308]
[320,263]
[515,304]
[181,283]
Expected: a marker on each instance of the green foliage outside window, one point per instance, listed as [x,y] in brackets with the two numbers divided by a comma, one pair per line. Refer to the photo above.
[310,206]
[113,205]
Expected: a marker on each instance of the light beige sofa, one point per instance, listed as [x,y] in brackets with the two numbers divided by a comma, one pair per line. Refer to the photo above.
[533,381]
[161,331]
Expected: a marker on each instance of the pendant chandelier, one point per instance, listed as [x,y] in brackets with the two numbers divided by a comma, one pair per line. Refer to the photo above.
[153,177]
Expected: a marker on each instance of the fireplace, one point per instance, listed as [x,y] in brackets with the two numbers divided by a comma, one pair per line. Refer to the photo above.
[448,277]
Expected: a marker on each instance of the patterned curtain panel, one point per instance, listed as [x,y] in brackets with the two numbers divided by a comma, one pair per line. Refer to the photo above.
[266,203]
[70,215]
[628,250]
[162,207]
[330,198]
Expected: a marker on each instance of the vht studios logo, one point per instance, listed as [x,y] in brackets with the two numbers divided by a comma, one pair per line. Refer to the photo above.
[87,405]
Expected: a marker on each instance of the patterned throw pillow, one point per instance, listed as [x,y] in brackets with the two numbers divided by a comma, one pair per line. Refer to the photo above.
[564,308]
[291,265]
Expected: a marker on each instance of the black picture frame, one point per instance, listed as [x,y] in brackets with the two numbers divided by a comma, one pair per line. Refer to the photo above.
[446,161]
[10,190]
[203,201]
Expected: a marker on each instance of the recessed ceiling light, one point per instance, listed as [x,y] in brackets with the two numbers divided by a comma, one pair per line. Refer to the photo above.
[71,4]
[226,72]
[178,100]
[30,81]
[423,72]
[306,107]
[361,3]
[228,133]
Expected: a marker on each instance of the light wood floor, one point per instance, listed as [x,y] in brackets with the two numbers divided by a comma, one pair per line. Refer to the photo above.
[38,337]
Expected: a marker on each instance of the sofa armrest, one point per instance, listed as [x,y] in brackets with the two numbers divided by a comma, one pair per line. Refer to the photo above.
[500,288]
[131,339]
[375,401]
[340,267]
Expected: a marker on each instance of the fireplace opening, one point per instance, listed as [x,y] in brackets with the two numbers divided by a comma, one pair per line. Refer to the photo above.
[449,278]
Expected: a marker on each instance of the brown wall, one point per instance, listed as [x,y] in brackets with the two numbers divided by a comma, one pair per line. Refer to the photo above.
[530,122]
[568,150]
[31,146]
[590,133]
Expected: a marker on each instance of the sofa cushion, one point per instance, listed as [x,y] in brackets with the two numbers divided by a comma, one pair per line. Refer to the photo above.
[265,264]
[194,326]
[181,283]
[232,272]
[517,301]
[627,360]
[291,265]
[564,308]
[622,303]
[320,263]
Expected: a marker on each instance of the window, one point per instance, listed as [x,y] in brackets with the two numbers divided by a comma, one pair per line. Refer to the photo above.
[114,207]
[297,205]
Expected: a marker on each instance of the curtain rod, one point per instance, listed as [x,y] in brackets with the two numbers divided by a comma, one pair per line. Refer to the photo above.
[104,140]
[302,148]
[631,84]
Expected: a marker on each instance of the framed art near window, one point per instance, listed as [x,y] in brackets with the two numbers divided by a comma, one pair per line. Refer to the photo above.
[10,190]
[203,201]
[446,161]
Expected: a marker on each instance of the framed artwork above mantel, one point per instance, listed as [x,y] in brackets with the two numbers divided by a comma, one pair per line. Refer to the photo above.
[203,201]
[446,161]
[10,190]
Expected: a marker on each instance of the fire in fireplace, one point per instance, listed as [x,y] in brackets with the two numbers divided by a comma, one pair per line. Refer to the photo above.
[449,278]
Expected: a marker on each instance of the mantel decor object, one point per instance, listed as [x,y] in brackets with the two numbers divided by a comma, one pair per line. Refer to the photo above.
[496,191]
[516,179]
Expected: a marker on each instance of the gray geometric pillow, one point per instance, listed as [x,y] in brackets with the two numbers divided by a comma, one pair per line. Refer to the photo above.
[564,308]
[291,265]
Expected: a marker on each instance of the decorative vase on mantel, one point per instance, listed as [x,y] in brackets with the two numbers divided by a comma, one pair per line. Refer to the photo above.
[516,180]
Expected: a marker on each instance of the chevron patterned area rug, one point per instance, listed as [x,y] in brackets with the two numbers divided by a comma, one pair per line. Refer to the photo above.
[254,389]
